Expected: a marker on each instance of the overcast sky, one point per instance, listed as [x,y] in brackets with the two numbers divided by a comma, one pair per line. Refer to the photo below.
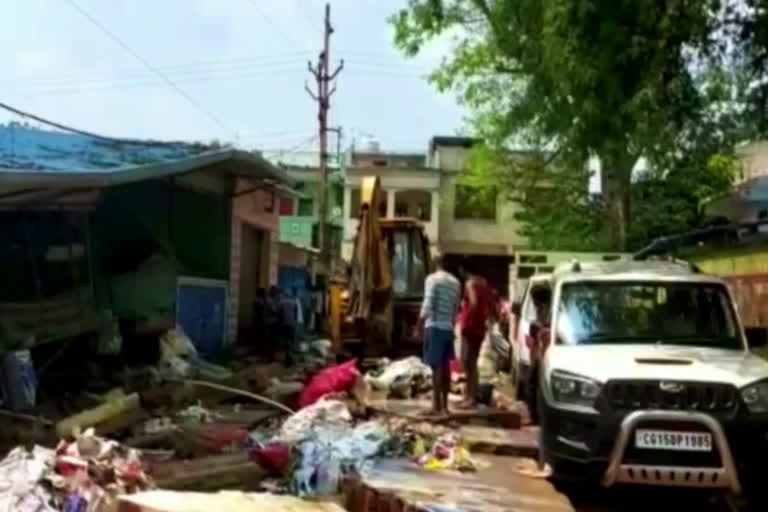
[243,62]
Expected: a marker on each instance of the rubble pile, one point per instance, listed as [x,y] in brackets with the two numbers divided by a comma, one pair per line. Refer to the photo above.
[86,473]
[254,426]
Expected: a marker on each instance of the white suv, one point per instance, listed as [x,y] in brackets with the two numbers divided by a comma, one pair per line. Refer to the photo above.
[648,378]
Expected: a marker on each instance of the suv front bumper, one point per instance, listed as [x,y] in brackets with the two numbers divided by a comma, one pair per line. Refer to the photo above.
[726,476]
[599,447]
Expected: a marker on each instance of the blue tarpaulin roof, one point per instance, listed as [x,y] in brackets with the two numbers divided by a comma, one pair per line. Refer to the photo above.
[30,155]
[23,147]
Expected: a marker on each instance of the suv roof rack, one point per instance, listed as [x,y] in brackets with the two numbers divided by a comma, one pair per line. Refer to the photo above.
[678,261]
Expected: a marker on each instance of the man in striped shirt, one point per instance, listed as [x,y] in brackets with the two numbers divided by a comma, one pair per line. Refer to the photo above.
[442,292]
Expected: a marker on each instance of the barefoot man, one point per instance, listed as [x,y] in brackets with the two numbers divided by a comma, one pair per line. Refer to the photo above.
[442,292]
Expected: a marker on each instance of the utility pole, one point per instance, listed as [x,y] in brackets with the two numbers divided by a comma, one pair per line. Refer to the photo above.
[322,95]
[338,132]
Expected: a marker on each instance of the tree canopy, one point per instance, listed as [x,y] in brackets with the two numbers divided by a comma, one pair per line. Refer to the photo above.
[671,82]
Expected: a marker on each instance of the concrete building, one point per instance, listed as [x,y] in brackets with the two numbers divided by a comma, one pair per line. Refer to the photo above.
[487,232]
[428,187]
[410,189]
[299,215]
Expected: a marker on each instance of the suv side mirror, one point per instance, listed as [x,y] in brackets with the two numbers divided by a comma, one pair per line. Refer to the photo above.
[757,337]
[515,308]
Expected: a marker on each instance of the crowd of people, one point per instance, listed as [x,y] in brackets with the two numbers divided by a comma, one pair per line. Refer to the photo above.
[472,306]
[287,316]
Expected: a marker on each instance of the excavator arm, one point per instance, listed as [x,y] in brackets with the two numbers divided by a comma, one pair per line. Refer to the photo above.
[385,275]
[370,281]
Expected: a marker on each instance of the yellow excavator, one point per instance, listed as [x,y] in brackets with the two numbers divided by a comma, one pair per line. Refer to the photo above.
[374,307]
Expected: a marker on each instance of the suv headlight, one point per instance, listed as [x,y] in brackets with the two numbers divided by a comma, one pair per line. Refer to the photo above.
[569,388]
[756,397]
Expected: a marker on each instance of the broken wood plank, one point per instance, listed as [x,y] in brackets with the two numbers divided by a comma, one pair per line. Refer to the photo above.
[117,414]
[212,473]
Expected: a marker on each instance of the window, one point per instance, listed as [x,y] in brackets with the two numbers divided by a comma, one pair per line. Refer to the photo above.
[696,314]
[286,206]
[306,207]
[533,258]
[409,268]
[475,203]
[525,272]
[414,203]
[537,304]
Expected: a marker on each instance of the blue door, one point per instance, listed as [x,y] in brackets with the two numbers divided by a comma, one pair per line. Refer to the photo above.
[200,311]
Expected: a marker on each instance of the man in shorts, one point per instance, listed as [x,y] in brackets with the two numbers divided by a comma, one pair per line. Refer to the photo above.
[442,292]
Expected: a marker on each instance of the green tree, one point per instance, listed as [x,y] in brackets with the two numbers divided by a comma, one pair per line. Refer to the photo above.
[555,211]
[614,79]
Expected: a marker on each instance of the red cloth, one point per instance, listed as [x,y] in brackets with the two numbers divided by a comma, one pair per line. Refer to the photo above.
[342,377]
[474,321]
[274,457]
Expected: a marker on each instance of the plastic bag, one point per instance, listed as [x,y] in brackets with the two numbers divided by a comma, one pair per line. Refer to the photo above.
[325,414]
[404,370]
[18,380]
[175,343]
[20,474]
[486,362]
[328,454]
[335,379]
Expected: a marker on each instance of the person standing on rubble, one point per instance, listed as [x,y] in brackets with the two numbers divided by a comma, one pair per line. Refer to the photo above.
[476,312]
[272,319]
[436,320]
[289,307]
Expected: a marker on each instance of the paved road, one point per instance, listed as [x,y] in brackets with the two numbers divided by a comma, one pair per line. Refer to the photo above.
[645,499]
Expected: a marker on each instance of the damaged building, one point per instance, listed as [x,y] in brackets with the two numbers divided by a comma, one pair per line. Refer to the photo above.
[141,234]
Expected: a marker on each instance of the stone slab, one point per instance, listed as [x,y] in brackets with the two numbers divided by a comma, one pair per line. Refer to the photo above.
[396,485]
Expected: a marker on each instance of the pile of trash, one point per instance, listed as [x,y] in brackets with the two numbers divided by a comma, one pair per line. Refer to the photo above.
[86,473]
[175,431]
[326,446]
[404,378]
[446,452]
[179,359]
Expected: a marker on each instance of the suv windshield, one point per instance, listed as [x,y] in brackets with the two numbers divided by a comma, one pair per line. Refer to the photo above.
[646,312]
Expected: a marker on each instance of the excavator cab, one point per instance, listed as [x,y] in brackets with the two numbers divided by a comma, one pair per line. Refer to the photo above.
[375,310]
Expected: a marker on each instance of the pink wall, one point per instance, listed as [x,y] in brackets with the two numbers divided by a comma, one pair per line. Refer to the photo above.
[253,207]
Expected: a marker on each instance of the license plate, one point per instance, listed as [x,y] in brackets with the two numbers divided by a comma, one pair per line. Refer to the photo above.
[673,440]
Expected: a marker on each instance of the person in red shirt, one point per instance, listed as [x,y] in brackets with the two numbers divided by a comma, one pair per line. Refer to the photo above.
[476,312]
